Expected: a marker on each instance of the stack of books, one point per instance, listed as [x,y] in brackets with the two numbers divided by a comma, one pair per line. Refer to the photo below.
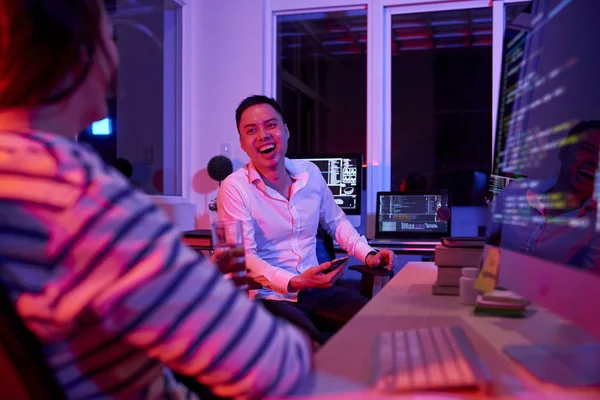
[501,303]
[451,256]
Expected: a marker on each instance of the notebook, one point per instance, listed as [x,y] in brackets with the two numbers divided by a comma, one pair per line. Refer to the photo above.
[412,218]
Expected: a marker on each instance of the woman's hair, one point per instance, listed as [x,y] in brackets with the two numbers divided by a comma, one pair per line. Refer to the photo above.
[41,43]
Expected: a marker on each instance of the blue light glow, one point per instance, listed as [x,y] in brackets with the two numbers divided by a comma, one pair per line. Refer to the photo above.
[102,127]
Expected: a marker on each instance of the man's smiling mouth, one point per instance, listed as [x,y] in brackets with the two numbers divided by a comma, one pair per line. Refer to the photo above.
[267,148]
[587,173]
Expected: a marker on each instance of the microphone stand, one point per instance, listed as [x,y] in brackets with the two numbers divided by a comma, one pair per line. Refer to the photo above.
[212,206]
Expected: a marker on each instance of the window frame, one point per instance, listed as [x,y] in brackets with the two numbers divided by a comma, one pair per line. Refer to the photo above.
[182,103]
[379,16]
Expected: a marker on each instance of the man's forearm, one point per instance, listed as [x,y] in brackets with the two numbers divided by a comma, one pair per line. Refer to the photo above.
[351,241]
[274,278]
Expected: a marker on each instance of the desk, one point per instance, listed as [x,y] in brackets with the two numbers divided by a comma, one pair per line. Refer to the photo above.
[420,250]
[344,366]
[198,239]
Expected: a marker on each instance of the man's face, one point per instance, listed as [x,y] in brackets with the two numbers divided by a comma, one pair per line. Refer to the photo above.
[263,136]
[580,161]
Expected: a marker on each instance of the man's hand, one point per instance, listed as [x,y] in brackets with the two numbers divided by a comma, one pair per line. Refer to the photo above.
[315,278]
[232,265]
[227,260]
[384,258]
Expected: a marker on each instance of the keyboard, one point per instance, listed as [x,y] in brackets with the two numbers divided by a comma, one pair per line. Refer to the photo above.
[429,359]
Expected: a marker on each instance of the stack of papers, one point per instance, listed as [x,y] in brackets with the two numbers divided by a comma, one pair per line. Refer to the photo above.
[501,302]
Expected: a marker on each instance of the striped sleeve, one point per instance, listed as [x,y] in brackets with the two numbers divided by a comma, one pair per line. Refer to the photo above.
[181,311]
[113,259]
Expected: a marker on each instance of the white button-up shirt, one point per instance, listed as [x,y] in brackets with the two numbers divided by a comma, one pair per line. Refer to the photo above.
[519,219]
[279,235]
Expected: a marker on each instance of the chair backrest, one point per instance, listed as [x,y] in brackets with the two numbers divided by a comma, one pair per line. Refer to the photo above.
[23,368]
[325,248]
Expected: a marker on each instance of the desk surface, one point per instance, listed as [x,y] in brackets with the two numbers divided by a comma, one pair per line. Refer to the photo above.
[398,248]
[344,366]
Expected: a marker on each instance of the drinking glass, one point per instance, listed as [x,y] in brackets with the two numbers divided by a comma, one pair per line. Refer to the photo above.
[228,239]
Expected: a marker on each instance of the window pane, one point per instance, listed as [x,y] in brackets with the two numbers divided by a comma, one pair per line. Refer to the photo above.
[322,81]
[441,102]
[145,116]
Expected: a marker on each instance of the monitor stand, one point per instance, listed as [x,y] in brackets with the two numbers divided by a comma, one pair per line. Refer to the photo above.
[567,365]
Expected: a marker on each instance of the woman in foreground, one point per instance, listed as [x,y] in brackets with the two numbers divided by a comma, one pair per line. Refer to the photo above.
[95,270]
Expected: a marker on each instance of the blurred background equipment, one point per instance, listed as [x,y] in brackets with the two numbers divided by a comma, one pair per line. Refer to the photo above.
[219,168]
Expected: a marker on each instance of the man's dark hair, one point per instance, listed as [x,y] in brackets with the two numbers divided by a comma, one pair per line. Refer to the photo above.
[252,101]
[584,126]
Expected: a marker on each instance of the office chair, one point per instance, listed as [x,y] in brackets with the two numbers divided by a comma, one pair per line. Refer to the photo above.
[23,368]
[326,252]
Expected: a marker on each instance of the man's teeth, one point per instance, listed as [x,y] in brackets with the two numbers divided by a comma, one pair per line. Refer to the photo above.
[266,147]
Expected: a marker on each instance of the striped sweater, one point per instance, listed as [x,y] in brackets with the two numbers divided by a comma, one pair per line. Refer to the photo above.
[101,277]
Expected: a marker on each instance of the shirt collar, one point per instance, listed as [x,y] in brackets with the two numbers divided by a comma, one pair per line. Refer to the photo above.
[296,171]
[253,174]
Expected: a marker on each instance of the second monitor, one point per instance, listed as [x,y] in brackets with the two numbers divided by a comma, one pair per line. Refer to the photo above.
[343,174]
[403,215]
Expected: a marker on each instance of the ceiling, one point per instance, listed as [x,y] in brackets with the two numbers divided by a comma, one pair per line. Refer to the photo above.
[323,33]
[449,29]
[340,33]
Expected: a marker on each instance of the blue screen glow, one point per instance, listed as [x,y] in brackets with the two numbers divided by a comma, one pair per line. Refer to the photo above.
[102,127]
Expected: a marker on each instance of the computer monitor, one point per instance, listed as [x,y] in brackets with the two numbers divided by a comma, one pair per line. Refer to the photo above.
[543,218]
[495,184]
[412,215]
[503,159]
[343,174]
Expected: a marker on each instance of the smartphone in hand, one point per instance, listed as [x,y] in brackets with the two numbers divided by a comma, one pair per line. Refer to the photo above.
[335,264]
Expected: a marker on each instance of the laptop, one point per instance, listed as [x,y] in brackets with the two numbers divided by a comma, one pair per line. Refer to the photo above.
[412,219]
